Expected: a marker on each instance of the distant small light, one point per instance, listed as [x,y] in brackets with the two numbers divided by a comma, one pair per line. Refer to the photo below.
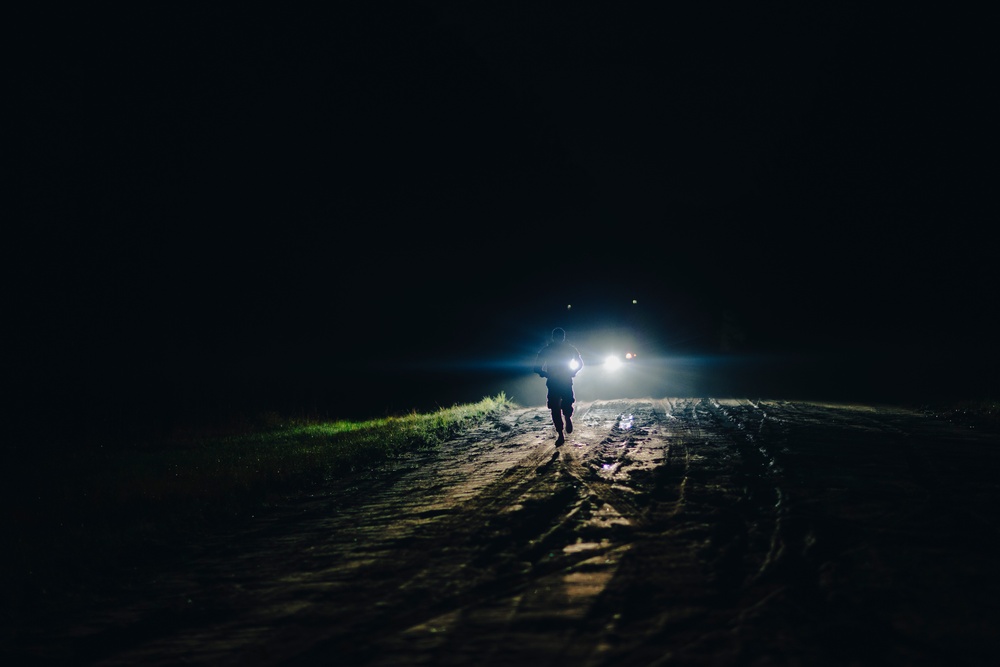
[569,306]
[634,301]
[629,355]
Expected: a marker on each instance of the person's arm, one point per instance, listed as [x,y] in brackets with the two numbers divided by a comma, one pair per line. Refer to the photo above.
[540,364]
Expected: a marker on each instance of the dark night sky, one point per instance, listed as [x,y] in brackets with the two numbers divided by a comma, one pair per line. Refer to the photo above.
[213,195]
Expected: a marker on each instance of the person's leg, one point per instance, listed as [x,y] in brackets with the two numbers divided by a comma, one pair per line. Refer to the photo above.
[555,407]
[557,421]
[567,409]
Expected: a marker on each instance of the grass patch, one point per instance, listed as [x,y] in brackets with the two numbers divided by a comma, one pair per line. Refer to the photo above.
[99,507]
[284,454]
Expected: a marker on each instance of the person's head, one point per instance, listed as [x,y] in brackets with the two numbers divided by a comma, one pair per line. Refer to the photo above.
[558,334]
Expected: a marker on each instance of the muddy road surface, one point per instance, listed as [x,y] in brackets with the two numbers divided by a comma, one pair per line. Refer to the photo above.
[663,532]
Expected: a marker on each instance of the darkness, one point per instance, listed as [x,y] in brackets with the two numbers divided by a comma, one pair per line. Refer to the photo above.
[355,210]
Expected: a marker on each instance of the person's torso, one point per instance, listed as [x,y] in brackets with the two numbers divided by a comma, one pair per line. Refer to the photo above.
[559,360]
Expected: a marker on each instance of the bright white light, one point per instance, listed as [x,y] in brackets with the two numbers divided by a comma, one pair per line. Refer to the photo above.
[612,362]
[573,364]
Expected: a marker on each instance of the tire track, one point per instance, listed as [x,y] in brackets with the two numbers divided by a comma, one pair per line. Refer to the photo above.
[569,524]
[367,546]
[680,531]
[686,572]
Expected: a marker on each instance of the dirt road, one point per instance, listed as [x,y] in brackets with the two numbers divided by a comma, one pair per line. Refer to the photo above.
[664,532]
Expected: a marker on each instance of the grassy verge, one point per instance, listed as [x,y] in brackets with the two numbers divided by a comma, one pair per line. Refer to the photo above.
[81,510]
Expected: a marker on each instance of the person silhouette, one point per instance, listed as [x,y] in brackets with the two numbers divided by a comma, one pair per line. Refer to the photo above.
[559,362]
